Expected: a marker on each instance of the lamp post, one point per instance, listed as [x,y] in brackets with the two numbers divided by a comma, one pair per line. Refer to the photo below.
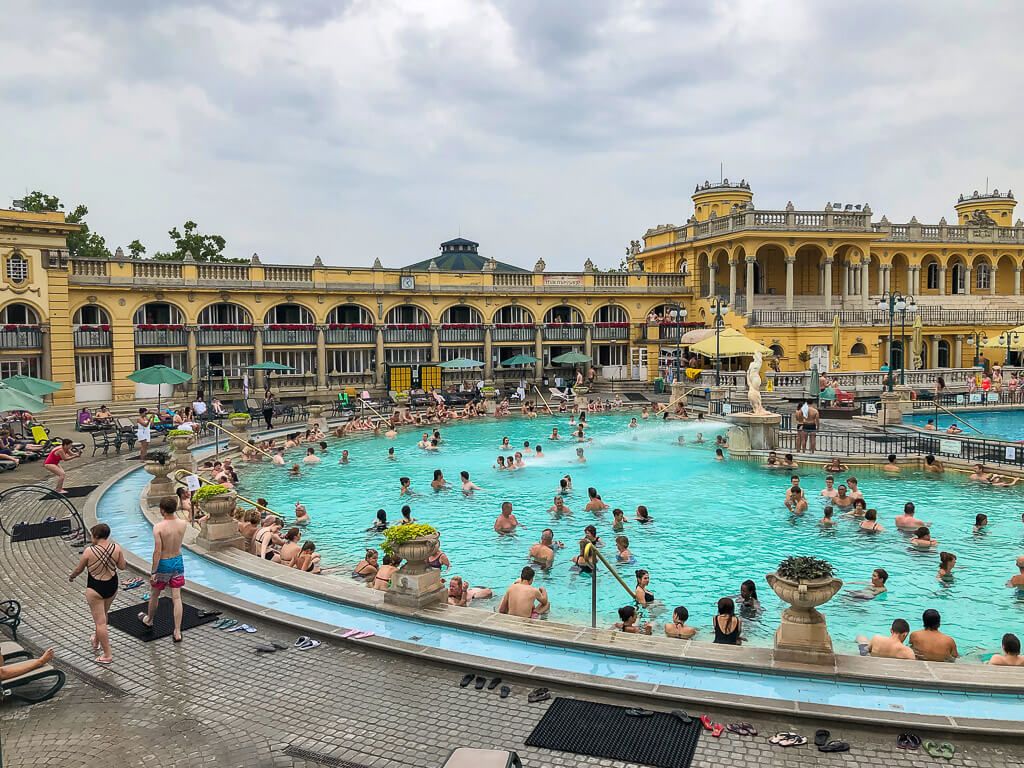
[893,303]
[1009,338]
[719,309]
[979,338]
[678,315]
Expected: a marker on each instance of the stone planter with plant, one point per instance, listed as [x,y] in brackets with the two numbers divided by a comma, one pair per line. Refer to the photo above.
[218,503]
[804,583]
[413,543]
[159,467]
[239,421]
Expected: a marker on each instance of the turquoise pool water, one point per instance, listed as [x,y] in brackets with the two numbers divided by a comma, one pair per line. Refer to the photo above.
[716,524]
[119,507]
[1004,425]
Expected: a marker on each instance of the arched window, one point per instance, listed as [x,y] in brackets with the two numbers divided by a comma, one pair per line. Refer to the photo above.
[225,314]
[90,314]
[288,314]
[349,314]
[858,349]
[407,314]
[933,277]
[983,281]
[562,314]
[777,350]
[460,314]
[17,268]
[18,314]
[943,361]
[158,313]
[612,313]
[513,315]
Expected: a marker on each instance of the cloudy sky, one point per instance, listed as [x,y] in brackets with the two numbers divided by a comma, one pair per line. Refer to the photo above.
[560,129]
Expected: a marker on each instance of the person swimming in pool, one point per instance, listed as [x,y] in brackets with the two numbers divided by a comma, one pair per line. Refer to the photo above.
[642,515]
[580,458]
[947,562]
[405,487]
[923,539]
[558,507]
[796,503]
[439,483]
[870,522]
[628,622]
[1017,582]
[826,517]
[835,466]
[506,445]
[829,491]
[618,520]
[873,588]
[678,627]
[980,522]
[907,521]
[554,434]
[595,504]
[468,486]
[506,522]
[623,556]
[933,466]
[380,524]
[842,501]
[641,594]
[586,560]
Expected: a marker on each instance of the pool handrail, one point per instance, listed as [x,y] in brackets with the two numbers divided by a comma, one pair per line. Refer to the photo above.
[240,439]
[364,404]
[541,395]
[958,418]
[201,479]
[590,549]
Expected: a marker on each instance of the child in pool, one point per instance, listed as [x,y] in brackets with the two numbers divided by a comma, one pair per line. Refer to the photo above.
[624,556]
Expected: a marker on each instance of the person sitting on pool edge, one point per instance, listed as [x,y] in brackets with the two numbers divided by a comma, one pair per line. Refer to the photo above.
[678,627]
[1010,656]
[929,643]
[891,647]
[523,599]
[628,622]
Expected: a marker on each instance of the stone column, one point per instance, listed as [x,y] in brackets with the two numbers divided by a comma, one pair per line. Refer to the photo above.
[992,278]
[321,358]
[257,340]
[712,280]
[732,283]
[588,344]
[790,261]
[192,356]
[1016,281]
[865,283]
[750,285]
[844,280]
[378,372]
[488,354]
[967,281]
[933,356]
[958,351]
[46,360]
[435,344]
[828,283]
[538,352]
[915,276]
[942,281]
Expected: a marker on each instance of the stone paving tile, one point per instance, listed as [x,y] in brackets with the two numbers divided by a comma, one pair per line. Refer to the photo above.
[211,701]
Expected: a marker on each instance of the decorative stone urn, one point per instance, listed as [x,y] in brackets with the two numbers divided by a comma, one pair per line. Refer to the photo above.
[803,635]
[415,585]
[161,485]
[316,417]
[180,443]
[489,395]
[240,428]
[219,530]
[181,456]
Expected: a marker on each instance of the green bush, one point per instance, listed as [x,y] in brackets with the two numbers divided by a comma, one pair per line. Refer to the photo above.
[208,492]
[237,415]
[400,534]
[805,569]
[181,433]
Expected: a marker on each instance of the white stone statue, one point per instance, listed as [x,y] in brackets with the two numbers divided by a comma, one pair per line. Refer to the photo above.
[754,386]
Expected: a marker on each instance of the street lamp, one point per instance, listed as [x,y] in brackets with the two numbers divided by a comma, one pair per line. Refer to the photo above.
[979,338]
[678,315]
[719,309]
[893,303]
[1009,338]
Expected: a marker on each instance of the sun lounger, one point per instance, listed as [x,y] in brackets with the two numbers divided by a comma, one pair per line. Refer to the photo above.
[10,615]
[466,757]
[33,687]
[13,652]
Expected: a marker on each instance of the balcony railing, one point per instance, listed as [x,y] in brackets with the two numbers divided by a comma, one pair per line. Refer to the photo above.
[514,332]
[564,332]
[880,317]
[233,272]
[304,336]
[161,338]
[606,332]
[394,335]
[673,331]
[224,337]
[157,270]
[449,335]
[350,335]
[20,338]
[847,221]
[288,274]
[96,338]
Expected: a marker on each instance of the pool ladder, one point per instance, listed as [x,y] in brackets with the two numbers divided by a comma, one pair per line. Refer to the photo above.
[591,551]
[180,473]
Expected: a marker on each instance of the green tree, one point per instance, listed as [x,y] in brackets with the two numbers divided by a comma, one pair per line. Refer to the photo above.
[83,244]
[189,240]
[136,249]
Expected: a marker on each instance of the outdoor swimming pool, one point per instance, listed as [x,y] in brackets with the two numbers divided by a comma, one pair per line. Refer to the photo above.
[1003,425]
[716,524]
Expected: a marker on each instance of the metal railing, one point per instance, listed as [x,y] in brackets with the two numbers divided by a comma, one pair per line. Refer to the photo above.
[86,339]
[350,336]
[305,336]
[407,335]
[21,338]
[564,332]
[215,337]
[447,335]
[501,333]
[603,332]
[879,317]
[168,338]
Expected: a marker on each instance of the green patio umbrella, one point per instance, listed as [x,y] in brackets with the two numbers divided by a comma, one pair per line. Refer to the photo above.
[270,365]
[159,374]
[571,358]
[520,360]
[814,383]
[15,400]
[462,362]
[31,385]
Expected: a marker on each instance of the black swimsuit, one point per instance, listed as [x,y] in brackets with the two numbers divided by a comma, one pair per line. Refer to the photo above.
[105,588]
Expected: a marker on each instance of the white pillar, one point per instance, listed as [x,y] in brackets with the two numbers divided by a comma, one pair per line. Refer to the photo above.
[942,281]
[828,283]
[732,283]
[958,351]
[790,261]
[712,279]
[992,278]
[933,357]
[750,284]
[844,281]
[1016,281]
[865,283]
[915,280]
[967,281]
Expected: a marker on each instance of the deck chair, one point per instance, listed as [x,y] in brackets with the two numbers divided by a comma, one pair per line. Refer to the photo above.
[467,757]
[559,396]
[41,437]
[10,615]
[27,687]
[13,652]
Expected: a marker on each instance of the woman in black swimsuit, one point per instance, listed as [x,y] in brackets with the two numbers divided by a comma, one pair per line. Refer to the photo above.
[102,559]
[726,625]
[643,578]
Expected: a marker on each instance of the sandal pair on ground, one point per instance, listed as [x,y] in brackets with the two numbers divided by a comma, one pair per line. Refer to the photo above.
[479,682]
[306,643]
[822,740]
[231,625]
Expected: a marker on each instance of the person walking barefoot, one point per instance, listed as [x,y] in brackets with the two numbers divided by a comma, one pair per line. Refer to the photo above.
[102,559]
[168,565]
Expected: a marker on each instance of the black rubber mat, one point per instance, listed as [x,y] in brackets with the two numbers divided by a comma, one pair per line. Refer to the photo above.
[79,491]
[127,620]
[604,730]
[46,530]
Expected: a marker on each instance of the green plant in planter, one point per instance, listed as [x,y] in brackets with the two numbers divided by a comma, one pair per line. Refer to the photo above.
[160,457]
[208,492]
[181,433]
[400,534]
[805,569]
[237,415]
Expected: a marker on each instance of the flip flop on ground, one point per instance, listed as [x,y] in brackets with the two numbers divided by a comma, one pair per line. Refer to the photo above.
[538,695]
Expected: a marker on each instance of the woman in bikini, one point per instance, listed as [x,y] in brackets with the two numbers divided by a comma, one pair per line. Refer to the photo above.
[55,457]
[102,559]
[384,573]
[726,625]
[307,559]
[368,566]
[291,548]
[643,580]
